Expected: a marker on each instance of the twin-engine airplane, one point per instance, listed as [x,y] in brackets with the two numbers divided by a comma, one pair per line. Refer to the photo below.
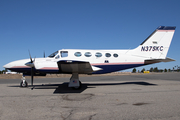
[75,61]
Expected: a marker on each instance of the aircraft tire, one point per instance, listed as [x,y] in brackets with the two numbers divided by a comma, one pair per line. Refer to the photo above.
[77,88]
[25,84]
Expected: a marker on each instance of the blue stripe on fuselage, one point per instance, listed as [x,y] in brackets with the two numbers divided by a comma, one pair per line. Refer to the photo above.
[21,70]
[114,68]
[28,70]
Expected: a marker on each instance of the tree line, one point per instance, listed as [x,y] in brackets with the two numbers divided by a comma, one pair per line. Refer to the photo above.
[157,70]
[1,72]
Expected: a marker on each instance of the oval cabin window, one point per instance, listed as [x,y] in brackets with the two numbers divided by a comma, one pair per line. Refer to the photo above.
[77,54]
[115,55]
[98,54]
[108,55]
[87,54]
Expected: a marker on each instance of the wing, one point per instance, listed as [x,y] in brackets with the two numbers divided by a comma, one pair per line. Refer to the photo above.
[81,67]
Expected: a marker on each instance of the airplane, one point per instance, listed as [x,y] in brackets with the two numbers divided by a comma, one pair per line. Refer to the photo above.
[77,61]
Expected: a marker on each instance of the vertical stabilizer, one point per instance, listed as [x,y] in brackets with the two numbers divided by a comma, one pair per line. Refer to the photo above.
[157,44]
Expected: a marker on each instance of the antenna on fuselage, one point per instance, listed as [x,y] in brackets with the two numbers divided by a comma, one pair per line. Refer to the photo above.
[44,54]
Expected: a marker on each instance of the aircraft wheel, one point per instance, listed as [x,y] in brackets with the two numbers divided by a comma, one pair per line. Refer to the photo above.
[23,84]
[77,88]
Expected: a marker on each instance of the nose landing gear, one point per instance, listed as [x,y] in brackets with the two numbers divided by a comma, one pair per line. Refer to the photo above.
[24,82]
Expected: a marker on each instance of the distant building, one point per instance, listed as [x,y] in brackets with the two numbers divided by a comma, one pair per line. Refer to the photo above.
[10,73]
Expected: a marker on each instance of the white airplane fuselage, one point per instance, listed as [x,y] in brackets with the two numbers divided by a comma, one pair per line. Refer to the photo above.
[76,61]
[117,60]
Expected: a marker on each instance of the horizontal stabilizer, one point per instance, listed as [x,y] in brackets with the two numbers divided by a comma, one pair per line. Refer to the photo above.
[151,61]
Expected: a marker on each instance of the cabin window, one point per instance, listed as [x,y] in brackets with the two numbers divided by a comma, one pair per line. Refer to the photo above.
[57,57]
[108,55]
[98,54]
[88,54]
[115,55]
[77,54]
[53,54]
[64,53]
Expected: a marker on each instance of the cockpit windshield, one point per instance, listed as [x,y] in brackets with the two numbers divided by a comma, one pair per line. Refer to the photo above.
[53,54]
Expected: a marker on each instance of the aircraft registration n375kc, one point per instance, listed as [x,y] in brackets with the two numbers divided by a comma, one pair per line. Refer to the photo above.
[75,61]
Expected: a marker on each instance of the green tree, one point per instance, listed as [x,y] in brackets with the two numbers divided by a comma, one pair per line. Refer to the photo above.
[177,68]
[155,69]
[151,69]
[134,70]
[165,70]
[143,70]
[1,72]
[169,70]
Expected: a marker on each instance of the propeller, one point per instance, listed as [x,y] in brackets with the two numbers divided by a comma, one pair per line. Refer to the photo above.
[31,64]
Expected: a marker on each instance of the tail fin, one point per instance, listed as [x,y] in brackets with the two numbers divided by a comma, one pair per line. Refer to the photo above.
[157,44]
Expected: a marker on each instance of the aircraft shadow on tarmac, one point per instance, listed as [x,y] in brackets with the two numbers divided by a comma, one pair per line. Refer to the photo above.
[63,88]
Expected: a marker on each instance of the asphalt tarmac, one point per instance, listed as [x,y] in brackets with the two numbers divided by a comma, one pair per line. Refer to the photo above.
[129,97]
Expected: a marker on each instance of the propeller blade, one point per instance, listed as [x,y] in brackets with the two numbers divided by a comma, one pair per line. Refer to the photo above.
[32,75]
[34,59]
[30,57]
[31,64]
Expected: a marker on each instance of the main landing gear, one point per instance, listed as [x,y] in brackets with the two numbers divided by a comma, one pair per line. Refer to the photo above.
[74,81]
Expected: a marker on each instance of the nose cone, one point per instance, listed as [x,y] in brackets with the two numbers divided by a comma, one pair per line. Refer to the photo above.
[16,64]
[30,64]
[9,65]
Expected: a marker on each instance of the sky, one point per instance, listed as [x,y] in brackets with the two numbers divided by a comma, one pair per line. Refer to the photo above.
[50,25]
